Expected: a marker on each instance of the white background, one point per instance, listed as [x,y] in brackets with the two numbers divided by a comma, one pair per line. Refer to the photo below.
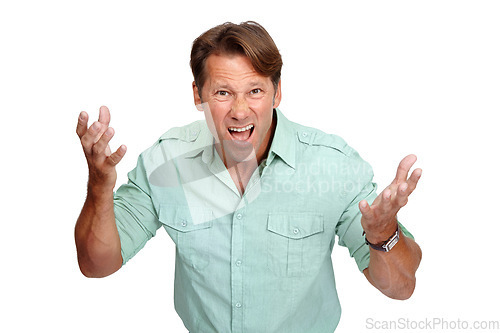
[390,77]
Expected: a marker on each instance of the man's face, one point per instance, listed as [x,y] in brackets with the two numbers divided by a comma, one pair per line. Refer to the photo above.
[240,106]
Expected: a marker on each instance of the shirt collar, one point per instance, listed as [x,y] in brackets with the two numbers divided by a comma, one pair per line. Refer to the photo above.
[283,143]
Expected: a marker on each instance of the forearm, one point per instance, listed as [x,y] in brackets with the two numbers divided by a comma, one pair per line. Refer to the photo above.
[96,235]
[97,241]
[393,272]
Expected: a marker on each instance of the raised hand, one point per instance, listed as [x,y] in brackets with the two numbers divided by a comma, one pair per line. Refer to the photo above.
[379,219]
[95,142]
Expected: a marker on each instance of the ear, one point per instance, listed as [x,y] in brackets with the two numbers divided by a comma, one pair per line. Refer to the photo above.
[277,96]
[197,97]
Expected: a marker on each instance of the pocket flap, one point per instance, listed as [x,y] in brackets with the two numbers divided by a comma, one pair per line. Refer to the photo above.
[185,218]
[295,225]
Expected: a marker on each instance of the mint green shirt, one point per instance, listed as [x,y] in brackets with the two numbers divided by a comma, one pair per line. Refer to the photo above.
[257,262]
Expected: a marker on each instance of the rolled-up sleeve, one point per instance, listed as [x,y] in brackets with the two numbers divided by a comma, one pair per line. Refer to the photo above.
[349,228]
[135,216]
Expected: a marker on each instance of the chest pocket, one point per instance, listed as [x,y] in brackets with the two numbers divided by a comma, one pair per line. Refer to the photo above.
[294,243]
[191,230]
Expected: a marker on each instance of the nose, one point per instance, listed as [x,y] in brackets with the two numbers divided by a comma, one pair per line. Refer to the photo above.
[240,109]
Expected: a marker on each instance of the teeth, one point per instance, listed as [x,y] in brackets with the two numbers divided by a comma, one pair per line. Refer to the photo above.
[235,129]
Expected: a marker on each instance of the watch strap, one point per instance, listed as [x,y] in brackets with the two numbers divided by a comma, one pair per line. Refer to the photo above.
[388,244]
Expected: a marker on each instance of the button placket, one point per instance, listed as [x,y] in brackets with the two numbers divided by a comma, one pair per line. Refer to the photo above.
[236,270]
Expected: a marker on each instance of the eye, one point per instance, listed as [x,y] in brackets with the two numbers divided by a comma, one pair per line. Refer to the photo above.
[255,91]
[222,93]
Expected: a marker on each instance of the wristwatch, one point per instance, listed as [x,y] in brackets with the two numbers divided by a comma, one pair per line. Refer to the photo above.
[387,245]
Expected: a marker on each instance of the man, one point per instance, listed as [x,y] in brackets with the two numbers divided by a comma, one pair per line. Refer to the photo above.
[252,201]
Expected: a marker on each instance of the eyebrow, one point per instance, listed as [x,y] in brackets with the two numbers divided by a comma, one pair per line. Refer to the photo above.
[224,85]
[256,83]
[221,85]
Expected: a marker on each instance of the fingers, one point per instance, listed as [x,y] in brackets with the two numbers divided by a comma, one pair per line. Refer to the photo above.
[414,178]
[99,148]
[81,127]
[403,185]
[99,153]
[402,194]
[117,156]
[386,204]
[90,137]
[94,133]
[104,116]
[404,167]
[366,210]
[405,188]
[383,205]
[104,119]
[379,218]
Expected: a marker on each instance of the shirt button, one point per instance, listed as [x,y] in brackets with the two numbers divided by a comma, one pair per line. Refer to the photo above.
[304,134]
[238,305]
[239,216]
[238,263]
[184,223]
[296,231]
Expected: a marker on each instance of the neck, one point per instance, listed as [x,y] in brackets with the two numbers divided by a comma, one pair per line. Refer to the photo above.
[241,171]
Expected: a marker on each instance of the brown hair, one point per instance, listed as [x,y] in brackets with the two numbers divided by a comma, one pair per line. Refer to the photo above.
[248,38]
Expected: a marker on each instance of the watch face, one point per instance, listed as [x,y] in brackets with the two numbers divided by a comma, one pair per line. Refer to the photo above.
[393,241]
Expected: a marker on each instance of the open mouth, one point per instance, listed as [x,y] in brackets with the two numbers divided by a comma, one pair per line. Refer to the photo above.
[241,133]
